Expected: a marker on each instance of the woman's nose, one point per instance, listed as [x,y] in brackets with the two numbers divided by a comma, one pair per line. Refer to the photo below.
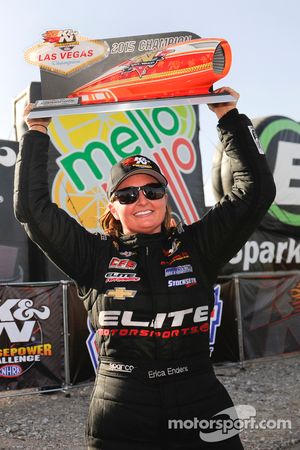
[142,198]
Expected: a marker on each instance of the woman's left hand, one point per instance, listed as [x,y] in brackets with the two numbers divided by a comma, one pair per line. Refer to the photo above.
[220,109]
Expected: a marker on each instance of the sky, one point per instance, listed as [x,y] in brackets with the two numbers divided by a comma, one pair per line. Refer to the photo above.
[264,36]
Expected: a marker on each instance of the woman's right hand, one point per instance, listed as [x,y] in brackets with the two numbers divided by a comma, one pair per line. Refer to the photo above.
[40,124]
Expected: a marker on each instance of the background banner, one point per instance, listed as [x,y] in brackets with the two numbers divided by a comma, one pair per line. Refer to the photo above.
[275,245]
[31,345]
[270,307]
[41,344]
[81,367]
[87,146]
[45,341]
[14,265]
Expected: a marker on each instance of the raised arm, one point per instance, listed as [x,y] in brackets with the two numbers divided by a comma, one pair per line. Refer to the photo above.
[72,248]
[228,225]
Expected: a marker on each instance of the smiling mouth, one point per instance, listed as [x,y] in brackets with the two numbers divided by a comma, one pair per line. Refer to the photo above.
[143,213]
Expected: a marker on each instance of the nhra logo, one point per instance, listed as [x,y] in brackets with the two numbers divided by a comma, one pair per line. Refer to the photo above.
[10,371]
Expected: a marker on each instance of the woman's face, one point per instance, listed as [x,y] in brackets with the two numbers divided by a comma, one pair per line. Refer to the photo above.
[143,216]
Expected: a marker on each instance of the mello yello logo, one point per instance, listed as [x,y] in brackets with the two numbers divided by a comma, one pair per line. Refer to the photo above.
[91,144]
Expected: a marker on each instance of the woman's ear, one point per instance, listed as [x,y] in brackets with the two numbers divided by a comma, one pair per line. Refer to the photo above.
[113,211]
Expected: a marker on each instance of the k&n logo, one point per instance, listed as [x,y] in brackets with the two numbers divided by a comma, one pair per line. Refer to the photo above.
[20,309]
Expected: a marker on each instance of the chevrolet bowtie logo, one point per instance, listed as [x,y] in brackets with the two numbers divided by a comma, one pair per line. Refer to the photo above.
[120,293]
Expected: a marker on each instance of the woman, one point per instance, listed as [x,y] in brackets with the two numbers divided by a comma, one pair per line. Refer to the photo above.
[148,288]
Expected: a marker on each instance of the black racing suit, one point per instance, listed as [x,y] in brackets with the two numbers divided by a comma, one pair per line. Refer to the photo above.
[149,298]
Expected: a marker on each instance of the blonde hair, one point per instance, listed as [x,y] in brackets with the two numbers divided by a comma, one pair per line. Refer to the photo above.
[113,227]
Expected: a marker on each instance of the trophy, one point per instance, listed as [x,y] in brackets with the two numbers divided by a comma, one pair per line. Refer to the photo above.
[80,76]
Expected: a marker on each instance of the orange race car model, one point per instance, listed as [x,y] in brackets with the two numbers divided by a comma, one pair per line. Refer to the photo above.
[184,69]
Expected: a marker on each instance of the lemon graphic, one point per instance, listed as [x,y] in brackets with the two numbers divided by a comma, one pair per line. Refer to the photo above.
[69,133]
[74,132]
[86,207]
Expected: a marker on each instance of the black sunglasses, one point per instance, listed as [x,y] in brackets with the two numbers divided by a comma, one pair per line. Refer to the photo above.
[130,194]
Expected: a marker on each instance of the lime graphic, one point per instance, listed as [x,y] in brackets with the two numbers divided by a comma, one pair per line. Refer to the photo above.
[187,119]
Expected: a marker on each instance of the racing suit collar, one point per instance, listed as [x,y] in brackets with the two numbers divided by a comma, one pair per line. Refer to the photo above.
[142,240]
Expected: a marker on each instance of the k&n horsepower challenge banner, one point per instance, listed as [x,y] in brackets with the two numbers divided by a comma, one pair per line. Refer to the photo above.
[31,347]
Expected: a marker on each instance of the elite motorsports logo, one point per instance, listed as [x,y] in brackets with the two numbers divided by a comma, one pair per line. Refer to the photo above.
[228,423]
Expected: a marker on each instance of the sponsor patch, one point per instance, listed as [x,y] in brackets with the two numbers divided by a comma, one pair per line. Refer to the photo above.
[170,251]
[127,254]
[115,263]
[120,367]
[145,332]
[178,270]
[185,282]
[120,293]
[179,257]
[138,161]
[159,321]
[120,277]
[256,140]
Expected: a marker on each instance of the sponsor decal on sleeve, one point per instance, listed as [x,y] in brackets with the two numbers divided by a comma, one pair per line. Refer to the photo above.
[255,139]
[178,270]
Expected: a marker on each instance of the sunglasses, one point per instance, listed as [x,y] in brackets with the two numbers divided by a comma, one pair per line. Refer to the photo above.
[130,194]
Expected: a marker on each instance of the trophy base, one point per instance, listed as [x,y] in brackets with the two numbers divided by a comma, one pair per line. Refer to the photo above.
[70,106]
